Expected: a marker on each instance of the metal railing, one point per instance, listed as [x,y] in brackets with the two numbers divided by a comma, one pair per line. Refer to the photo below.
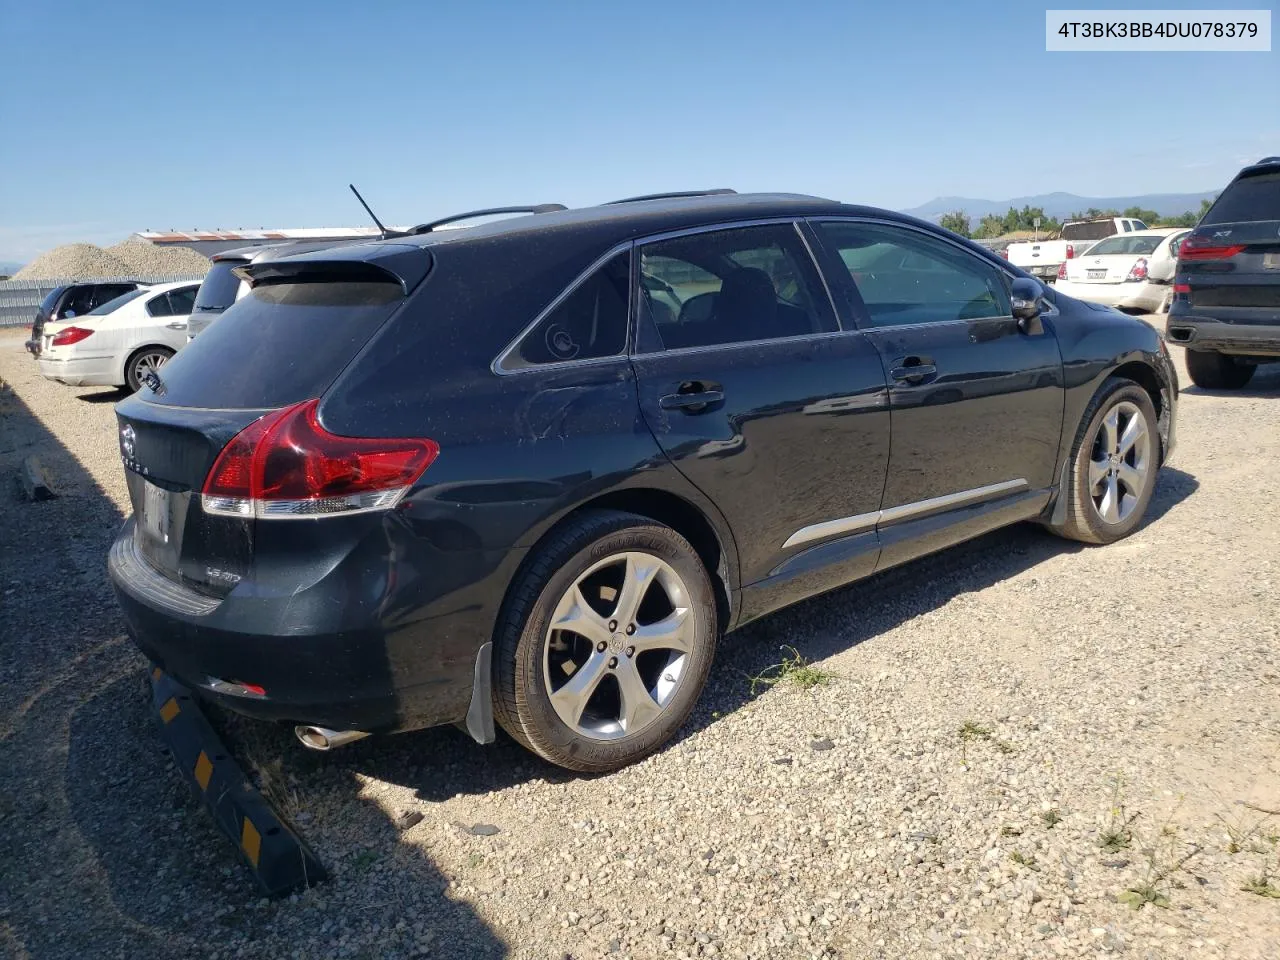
[20,298]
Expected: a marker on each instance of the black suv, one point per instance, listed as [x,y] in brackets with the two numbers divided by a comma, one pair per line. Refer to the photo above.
[533,469]
[73,300]
[1226,295]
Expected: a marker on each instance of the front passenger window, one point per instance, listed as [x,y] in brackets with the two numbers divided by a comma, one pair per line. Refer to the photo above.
[905,276]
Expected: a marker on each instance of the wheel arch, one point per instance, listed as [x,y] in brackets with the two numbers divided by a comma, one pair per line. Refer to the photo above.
[714,549]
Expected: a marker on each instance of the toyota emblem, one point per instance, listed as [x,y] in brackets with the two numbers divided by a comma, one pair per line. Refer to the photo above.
[127,437]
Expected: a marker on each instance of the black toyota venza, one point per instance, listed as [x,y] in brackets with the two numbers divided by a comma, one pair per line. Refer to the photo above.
[532,469]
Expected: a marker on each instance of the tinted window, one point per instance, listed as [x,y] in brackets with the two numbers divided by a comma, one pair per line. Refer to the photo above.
[1121,244]
[591,322]
[732,286]
[79,302]
[220,286]
[1095,230]
[906,277]
[182,300]
[159,306]
[106,292]
[51,298]
[1253,198]
[279,344]
[111,306]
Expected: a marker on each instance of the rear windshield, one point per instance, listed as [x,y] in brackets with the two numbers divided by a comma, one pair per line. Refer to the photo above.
[281,343]
[1244,201]
[1139,246]
[1088,231]
[218,291]
[111,306]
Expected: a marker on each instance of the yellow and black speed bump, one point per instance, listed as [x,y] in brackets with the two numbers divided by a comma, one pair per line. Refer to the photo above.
[280,861]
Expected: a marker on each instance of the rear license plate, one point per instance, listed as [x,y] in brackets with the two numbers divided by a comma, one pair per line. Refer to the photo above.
[1096,274]
[1271,261]
[155,511]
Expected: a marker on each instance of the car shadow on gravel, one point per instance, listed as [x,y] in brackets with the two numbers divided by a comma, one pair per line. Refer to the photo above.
[106,851]
[113,395]
[442,763]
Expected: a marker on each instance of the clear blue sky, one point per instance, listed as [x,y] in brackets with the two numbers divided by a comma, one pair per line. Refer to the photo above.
[120,116]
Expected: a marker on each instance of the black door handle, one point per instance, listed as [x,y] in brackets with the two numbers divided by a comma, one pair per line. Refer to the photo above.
[914,369]
[693,395]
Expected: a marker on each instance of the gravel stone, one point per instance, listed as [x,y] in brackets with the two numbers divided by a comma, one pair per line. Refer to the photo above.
[1156,659]
[131,257]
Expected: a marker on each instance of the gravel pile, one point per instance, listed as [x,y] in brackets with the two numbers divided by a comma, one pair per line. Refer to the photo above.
[132,257]
[146,258]
[74,261]
[1012,736]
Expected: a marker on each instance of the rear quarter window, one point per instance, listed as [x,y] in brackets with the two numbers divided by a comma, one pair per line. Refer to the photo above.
[282,343]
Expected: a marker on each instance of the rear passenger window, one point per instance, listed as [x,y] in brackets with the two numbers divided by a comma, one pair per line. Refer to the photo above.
[159,306]
[731,286]
[181,301]
[587,324]
[905,276]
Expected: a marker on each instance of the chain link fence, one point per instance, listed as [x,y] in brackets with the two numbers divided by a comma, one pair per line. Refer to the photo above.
[20,298]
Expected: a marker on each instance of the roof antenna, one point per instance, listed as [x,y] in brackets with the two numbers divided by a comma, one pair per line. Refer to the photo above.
[386,234]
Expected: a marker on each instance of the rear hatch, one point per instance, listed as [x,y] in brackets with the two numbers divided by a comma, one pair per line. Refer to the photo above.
[43,312]
[1230,264]
[283,343]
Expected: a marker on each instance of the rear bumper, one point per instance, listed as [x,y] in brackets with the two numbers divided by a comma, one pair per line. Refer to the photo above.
[1130,296]
[1256,334]
[324,659]
[90,372]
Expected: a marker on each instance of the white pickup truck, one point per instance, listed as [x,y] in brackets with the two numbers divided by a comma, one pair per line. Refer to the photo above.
[1042,258]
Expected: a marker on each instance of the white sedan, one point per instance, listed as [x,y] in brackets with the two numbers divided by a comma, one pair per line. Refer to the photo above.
[1129,270]
[122,341]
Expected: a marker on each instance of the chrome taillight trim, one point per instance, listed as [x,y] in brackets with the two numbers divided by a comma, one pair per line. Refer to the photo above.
[307,509]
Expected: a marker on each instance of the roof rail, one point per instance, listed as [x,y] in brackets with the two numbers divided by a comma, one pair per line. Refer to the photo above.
[490,212]
[719,191]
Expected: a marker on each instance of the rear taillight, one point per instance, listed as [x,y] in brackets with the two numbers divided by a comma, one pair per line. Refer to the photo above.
[1204,248]
[65,338]
[1182,288]
[1062,271]
[287,465]
[1071,251]
[1138,271]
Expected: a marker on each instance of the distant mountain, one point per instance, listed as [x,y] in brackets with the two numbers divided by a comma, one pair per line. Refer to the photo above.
[9,267]
[1061,204]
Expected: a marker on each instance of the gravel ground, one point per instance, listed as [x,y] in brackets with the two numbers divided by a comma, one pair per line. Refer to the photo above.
[943,794]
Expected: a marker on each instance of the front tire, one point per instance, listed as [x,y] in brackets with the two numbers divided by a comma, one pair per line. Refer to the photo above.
[1213,371]
[1113,465]
[605,642]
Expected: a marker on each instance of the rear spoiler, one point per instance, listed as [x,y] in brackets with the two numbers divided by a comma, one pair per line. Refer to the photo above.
[400,263]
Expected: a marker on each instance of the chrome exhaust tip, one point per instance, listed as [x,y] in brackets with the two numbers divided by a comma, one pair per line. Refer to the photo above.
[320,738]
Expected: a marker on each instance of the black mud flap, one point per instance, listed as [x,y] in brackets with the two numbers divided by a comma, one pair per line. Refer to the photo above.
[280,861]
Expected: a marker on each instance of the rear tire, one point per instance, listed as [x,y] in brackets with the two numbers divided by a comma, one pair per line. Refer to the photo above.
[1213,371]
[621,676]
[1113,466]
[140,362]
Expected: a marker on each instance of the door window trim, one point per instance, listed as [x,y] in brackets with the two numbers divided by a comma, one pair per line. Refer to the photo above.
[859,316]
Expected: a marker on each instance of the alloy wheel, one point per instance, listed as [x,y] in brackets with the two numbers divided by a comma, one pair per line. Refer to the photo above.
[617,646]
[1120,462]
[147,363]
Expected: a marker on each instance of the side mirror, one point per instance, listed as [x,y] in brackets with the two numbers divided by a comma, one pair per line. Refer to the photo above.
[1026,304]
